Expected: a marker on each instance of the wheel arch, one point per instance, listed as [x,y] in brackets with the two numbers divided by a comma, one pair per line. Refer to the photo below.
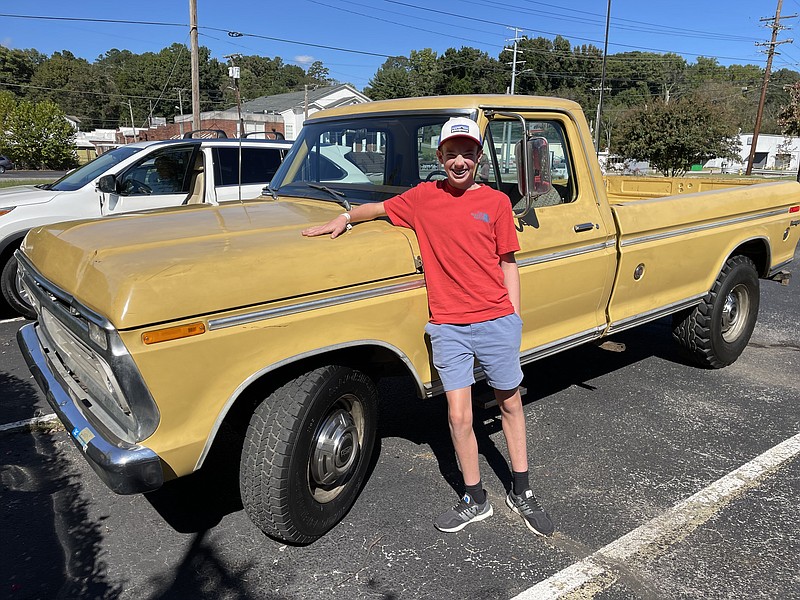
[756,249]
[10,244]
[376,358]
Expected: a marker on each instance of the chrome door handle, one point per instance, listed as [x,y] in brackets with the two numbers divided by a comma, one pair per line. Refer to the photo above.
[583,227]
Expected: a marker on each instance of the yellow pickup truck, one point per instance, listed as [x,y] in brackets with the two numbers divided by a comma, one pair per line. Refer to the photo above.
[156,331]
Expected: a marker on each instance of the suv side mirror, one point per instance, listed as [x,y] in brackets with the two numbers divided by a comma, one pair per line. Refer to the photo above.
[107,184]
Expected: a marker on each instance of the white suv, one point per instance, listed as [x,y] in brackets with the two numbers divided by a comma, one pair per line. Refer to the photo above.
[135,177]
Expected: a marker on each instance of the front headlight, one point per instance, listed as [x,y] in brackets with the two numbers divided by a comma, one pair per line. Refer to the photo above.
[6,209]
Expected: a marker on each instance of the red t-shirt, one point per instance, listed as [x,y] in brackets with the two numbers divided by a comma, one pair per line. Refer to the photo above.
[462,235]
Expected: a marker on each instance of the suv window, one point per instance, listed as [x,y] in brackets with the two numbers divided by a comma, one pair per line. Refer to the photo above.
[258,164]
[163,172]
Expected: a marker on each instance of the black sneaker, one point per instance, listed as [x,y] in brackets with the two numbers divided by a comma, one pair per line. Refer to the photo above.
[526,505]
[462,514]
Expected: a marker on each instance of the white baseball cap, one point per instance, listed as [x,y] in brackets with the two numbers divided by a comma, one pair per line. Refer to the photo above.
[460,127]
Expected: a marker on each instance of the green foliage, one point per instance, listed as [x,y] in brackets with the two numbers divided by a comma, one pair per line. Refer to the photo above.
[676,135]
[38,136]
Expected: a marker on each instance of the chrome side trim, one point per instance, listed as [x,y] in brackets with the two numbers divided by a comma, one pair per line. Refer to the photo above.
[560,345]
[652,315]
[539,352]
[287,361]
[779,266]
[544,258]
[272,313]
[668,234]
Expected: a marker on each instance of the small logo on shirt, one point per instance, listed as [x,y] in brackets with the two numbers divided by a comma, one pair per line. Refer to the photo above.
[480,216]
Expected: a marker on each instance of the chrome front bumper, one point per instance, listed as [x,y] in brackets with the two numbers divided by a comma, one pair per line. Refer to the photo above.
[125,468]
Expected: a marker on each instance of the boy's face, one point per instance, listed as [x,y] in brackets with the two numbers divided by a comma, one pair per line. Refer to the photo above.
[459,157]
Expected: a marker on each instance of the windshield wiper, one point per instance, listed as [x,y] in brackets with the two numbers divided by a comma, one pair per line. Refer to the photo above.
[44,186]
[337,195]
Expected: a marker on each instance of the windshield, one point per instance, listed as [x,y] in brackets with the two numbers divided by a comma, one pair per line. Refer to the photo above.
[366,159]
[80,177]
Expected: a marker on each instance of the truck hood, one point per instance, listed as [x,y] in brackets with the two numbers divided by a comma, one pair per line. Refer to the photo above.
[20,195]
[157,267]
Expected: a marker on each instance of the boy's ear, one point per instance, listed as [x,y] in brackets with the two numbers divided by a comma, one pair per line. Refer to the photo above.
[439,156]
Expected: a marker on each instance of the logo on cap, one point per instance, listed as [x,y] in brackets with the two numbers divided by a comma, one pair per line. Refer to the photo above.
[459,129]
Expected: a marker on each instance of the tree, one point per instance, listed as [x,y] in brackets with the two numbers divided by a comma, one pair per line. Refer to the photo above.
[789,117]
[37,135]
[676,135]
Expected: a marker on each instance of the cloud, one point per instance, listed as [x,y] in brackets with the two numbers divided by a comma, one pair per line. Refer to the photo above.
[7,43]
[304,59]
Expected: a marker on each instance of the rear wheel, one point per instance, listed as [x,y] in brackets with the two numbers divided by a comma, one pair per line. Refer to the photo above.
[12,292]
[716,332]
[307,451]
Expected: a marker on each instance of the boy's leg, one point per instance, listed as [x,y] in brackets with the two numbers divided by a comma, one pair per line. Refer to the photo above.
[510,404]
[459,417]
[470,508]
[522,502]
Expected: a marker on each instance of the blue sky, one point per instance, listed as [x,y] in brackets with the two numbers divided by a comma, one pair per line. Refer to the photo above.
[366,31]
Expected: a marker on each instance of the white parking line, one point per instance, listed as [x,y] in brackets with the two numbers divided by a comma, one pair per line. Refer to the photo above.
[597,572]
[28,424]
[12,320]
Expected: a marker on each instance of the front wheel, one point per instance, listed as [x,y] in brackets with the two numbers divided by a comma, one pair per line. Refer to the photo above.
[716,332]
[12,292]
[307,452]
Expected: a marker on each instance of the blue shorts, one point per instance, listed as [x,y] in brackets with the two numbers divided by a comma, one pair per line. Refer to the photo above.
[495,344]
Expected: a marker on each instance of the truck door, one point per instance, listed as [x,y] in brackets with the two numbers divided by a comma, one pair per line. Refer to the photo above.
[161,179]
[567,258]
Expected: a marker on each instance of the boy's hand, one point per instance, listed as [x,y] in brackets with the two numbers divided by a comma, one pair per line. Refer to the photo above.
[335,227]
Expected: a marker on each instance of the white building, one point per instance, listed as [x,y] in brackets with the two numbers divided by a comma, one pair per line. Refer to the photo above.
[773,153]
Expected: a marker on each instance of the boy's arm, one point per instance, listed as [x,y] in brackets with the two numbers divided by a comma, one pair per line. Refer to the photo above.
[511,279]
[337,226]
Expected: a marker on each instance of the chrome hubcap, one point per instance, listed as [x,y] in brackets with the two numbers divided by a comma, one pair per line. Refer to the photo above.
[335,447]
[734,313]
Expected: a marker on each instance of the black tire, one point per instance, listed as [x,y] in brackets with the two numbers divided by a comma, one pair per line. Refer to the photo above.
[294,487]
[11,293]
[715,333]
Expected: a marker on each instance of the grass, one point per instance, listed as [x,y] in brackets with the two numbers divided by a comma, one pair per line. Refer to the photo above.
[4,183]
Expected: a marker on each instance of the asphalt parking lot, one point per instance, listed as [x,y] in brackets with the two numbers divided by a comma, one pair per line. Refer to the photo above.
[664,480]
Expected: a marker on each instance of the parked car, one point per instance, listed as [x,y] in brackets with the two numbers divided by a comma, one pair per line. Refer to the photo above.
[5,164]
[135,177]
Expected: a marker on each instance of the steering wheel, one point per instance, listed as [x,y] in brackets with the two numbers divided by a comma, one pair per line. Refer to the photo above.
[433,174]
[134,186]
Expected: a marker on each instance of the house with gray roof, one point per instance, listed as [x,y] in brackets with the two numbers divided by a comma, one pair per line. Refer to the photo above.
[284,112]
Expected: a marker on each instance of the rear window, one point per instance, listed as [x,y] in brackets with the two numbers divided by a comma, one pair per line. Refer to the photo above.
[258,164]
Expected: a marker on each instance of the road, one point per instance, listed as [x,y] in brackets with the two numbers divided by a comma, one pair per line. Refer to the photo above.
[622,439]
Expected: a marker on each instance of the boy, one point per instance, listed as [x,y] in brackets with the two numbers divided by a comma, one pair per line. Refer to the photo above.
[467,242]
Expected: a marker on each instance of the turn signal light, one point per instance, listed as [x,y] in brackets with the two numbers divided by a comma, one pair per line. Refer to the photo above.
[173,333]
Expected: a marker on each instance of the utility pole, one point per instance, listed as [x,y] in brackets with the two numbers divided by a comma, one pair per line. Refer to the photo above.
[776,27]
[514,61]
[180,107]
[133,124]
[195,65]
[602,83]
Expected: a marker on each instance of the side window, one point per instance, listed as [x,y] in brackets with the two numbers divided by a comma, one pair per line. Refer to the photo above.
[164,172]
[504,137]
[258,165]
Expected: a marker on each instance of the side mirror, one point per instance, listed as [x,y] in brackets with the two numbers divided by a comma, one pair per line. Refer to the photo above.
[107,184]
[533,167]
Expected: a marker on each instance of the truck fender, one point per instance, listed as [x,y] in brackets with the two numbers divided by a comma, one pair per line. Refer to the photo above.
[231,401]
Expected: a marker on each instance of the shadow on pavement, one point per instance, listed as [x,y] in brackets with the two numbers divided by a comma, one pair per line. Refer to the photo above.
[51,547]
[424,421]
